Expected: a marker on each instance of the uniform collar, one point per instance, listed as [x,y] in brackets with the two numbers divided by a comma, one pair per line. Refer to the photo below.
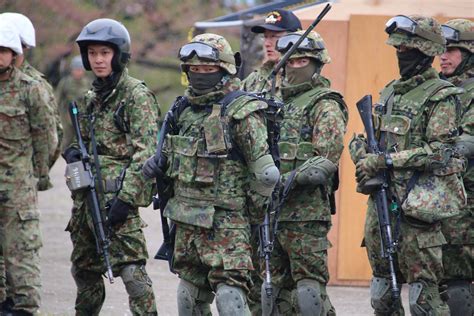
[402,87]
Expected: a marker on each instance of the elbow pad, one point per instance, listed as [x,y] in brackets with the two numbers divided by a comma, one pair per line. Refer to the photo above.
[315,171]
[267,175]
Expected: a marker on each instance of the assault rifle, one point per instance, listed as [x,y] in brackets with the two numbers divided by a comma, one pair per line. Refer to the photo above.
[387,244]
[83,178]
[163,185]
[274,116]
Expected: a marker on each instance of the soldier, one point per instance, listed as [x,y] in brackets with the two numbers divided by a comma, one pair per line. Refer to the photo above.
[71,88]
[417,119]
[218,154]
[27,135]
[28,41]
[122,115]
[277,23]
[457,65]
[311,143]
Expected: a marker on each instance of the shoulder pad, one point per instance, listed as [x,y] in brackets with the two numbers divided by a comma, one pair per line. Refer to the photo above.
[445,92]
[244,105]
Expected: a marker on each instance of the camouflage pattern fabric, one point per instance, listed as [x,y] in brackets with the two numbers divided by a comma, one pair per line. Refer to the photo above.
[412,143]
[463,26]
[69,89]
[218,207]
[35,74]
[27,137]
[257,81]
[116,150]
[458,253]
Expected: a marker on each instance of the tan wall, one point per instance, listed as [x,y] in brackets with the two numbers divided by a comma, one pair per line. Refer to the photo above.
[361,64]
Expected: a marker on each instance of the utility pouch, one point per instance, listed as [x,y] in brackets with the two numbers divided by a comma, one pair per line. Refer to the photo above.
[77,177]
[214,132]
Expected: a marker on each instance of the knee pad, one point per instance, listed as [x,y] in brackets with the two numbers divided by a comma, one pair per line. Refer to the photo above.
[231,300]
[192,300]
[136,280]
[380,295]
[308,294]
[84,279]
[425,300]
[461,297]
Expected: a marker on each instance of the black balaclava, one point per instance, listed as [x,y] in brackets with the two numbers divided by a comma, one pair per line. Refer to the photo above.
[103,87]
[296,76]
[413,62]
[202,83]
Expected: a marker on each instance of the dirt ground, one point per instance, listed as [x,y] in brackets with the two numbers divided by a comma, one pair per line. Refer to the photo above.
[58,292]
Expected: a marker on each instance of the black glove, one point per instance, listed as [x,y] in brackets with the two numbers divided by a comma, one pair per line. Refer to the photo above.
[44,183]
[72,154]
[150,169]
[118,211]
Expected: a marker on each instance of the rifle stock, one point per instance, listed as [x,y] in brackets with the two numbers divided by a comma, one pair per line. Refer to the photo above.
[387,244]
[101,239]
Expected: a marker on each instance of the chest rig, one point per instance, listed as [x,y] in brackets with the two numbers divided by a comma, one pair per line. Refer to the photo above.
[206,165]
[295,143]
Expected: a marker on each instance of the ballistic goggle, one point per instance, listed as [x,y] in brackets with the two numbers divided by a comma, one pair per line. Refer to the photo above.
[308,44]
[405,24]
[204,52]
[453,35]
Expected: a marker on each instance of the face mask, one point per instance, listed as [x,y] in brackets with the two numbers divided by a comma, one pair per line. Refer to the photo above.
[202,83]
[413,62]
[296,76]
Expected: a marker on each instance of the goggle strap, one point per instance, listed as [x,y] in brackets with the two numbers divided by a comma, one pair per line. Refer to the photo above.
[430,36]
[466,36]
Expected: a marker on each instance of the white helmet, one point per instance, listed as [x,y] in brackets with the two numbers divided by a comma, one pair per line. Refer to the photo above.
[9,37]
[24,26]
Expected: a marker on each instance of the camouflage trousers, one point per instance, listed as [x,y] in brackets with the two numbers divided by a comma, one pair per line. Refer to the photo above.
[128,256]
[300,252]
[458,253]
[20,241]
[254,297]
[208,257]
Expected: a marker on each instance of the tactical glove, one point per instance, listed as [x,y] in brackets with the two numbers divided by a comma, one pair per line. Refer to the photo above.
[150,169]
[72,154]
[44,183]
[315,171]
[465,145]
[118,211]
[357,147]
[370,186]
[368,167]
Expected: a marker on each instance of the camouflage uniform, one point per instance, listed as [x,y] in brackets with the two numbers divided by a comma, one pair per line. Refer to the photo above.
[69,89]
[418,116]
[212,251]
[458,253]
[257,81]
[125,123]
[313,127]
[27,137]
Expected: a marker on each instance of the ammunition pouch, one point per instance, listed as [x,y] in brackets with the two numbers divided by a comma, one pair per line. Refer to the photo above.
[77,178]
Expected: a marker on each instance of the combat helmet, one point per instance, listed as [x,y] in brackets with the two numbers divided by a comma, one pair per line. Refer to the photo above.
[106,31]
[416,31]
[208,49]
[25,28]
[459,33]
[312,46]
[10,38]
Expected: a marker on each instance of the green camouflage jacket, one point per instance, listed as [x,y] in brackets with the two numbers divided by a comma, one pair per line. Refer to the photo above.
[420,130]
[27,131]
[118,150]
[210,184]
[257,81]
[314,124]
[38,76]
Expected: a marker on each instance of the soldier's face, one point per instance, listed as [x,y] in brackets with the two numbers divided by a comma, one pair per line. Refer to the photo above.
[100,59]
[298,62]
[269,42]
[6,57]
[204,69]
[450,60]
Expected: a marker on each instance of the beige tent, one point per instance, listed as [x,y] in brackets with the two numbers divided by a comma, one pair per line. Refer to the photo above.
[363,64]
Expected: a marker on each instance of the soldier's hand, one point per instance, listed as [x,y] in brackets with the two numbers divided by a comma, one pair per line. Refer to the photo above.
[150,169]
[368,167]
[44,183]
[118,212]
[357,147]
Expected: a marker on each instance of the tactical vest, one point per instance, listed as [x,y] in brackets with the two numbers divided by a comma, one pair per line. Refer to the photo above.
[295,143]
[467,97]
[202,166]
